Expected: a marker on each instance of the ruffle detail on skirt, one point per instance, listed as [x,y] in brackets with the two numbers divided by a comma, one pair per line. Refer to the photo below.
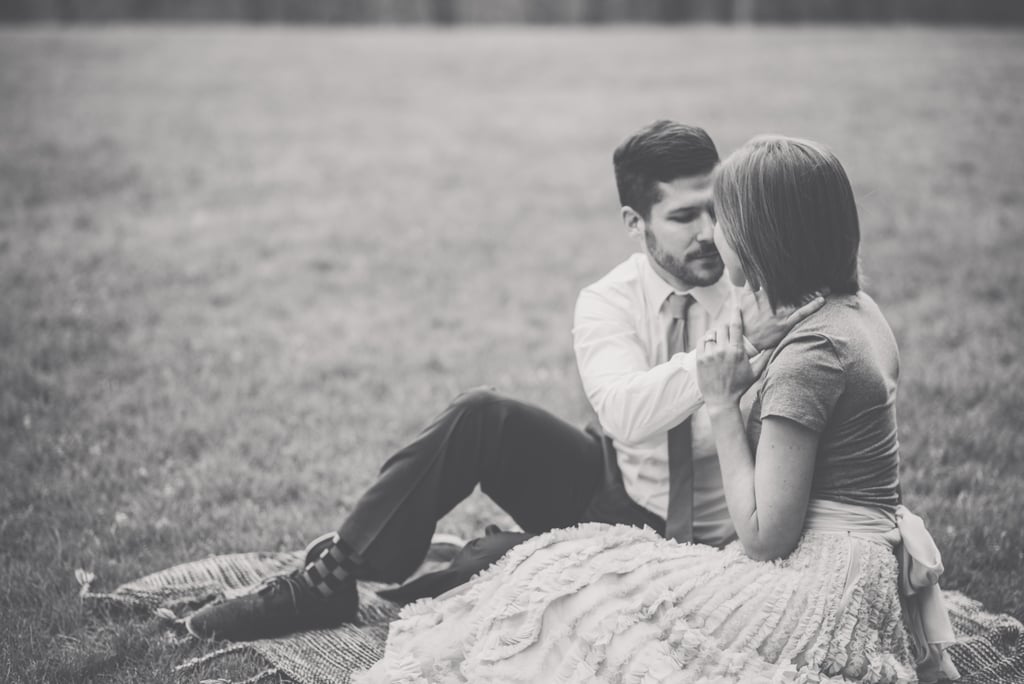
[620,604]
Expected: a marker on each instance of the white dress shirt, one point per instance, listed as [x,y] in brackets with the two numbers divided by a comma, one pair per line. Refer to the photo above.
[620,336]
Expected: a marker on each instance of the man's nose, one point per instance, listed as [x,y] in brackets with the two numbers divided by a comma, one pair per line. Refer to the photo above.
[707,228]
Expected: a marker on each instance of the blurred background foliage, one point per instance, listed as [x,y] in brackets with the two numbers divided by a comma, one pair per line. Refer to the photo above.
[517,11]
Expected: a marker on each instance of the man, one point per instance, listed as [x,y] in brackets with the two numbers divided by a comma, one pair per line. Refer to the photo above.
[649,460]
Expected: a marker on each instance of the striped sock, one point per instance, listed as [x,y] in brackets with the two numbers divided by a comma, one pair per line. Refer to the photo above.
[332,568]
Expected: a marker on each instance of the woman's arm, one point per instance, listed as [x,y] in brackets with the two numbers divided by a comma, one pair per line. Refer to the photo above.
[767,499]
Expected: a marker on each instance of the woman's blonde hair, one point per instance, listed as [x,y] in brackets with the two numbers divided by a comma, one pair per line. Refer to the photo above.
[788,211]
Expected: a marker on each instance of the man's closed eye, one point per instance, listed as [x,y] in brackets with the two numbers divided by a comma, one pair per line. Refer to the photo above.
[690,215]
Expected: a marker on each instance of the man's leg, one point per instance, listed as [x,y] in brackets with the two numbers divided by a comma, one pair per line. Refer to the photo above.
[608,503]
[541,470]
[538,468]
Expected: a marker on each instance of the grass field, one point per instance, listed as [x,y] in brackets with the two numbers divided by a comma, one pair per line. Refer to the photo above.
[239,267]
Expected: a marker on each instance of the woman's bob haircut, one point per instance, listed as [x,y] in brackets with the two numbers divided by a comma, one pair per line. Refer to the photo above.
[787,209]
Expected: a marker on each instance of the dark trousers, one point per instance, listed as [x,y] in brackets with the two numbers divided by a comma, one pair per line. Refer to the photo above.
[544,472]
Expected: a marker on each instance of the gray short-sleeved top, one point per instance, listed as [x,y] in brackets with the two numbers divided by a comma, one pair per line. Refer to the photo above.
[835,373]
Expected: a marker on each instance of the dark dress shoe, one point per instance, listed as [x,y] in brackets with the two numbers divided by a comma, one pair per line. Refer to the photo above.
[280,605]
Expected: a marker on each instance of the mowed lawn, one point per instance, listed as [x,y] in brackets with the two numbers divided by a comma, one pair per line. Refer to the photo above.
[239,267]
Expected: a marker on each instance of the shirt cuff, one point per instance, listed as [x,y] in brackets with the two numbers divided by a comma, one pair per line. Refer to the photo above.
[749,348]
[687,361]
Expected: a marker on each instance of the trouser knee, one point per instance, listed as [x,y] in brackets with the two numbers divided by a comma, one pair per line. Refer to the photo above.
[478,398]
[484,407]
[485,420]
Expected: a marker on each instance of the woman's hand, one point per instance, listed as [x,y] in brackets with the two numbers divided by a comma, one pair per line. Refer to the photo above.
[723,370]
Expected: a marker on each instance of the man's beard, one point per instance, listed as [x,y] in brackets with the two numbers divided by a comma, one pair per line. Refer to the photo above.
[681,268]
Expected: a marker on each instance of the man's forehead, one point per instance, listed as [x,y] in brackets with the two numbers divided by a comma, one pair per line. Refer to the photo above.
[687,188]
[699,182]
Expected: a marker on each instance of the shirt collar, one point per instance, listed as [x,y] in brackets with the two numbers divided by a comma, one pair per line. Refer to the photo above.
[711,297]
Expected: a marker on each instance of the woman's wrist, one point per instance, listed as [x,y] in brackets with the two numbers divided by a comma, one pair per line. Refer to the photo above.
[721,407]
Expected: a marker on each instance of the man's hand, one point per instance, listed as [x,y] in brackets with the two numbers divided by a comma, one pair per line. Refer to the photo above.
[763,327]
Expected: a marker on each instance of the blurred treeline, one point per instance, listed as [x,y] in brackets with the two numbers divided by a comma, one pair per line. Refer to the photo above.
[528,11]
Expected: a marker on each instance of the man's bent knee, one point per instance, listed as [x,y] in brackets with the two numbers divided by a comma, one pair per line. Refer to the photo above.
[479,397]
[488,405]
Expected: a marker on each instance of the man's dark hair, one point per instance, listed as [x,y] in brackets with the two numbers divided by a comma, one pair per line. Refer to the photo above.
[660,152]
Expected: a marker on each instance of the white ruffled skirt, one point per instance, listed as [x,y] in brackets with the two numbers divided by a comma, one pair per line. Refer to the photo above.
[602,603]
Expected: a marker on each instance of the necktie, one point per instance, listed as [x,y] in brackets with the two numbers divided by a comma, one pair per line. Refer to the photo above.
[679,521]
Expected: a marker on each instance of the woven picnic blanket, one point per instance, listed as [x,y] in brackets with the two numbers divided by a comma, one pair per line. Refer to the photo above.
[989,648]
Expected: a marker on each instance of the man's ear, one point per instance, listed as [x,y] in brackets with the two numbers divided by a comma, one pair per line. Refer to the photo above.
[634,222]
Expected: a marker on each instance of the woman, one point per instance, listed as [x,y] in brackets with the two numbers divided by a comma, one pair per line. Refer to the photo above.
[810,590]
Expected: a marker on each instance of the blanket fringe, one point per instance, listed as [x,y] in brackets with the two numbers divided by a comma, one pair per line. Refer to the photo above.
[85,580]
[235,648]
[85,592]
[262,676]
[193,663]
